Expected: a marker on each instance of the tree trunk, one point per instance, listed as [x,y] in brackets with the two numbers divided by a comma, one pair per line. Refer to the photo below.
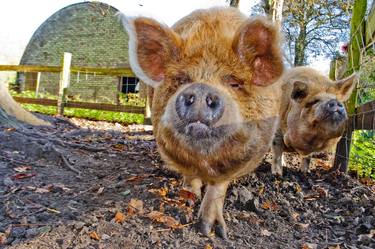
[300,44]
[234,3]
[277,11]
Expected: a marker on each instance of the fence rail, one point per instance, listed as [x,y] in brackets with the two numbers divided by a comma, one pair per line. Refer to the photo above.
[83,105]
[58,69]
[65,70]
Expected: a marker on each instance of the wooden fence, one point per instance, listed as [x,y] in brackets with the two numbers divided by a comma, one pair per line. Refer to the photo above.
[362,39]
[65,70]
[362,119]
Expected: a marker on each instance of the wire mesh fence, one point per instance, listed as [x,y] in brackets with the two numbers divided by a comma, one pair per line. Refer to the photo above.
[356,149]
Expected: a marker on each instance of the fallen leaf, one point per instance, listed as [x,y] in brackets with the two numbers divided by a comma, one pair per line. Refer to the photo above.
[164,219]
[163,191]
[367,181]
[10,129]
[302,225]
[119,217]
[261,190]
[208,246]
[135,206]
[187,195]
[23,175]
[135,178]
[298,188]
[265,232]
[323,164]
[100,190]
[322,192]
[118,147]
[62,186]
[23,168]
[311,197]
[52,210]
[160,191]
[42,190]
[270,205]
[295,216]
[334,247]
[173,182]
[94,235]
[309,246]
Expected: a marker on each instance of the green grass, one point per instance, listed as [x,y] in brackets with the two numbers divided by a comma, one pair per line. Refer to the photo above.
[119,117]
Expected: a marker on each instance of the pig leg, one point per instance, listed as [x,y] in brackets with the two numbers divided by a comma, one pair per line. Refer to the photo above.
[277,155]
[211,209]
[194,185]
[305,164]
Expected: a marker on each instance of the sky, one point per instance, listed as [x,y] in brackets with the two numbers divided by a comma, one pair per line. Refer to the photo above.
[19,18]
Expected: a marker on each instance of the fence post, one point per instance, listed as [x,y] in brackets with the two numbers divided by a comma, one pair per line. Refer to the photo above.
[37,84]
[149,97]
[356,33]
[64,83]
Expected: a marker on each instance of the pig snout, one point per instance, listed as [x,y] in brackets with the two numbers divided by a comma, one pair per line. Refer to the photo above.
[335,110]
[199,106]
[333,106]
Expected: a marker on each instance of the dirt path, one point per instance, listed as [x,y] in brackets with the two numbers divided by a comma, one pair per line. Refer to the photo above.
[111,191]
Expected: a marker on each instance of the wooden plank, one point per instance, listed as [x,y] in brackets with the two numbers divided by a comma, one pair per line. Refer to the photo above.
[47,102]
[30,68]
[105,107]
[37,84]
[74,69]
[64,83]
[364,119]
[83,105]
[370,27]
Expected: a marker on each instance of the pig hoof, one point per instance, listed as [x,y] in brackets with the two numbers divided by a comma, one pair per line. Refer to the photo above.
[206,228]
[221,231]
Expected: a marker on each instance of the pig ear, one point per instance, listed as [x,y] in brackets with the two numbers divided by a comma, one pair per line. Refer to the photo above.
[258,47]
[151,47]
[300,91]
[345,86]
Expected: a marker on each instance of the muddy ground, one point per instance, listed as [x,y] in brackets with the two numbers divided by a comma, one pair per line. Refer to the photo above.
[89,184]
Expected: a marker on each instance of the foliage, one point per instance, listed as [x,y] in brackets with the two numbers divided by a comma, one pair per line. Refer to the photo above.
[362,154]
[312,27]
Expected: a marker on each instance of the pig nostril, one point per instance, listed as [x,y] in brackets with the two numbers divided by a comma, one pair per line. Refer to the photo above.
[212,101]
[331,105]
[189,100]
[339,104]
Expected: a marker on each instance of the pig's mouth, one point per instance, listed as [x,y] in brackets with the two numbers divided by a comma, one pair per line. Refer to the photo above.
[198,130]
[335,118]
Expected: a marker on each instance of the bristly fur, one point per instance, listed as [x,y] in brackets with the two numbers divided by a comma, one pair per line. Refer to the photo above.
[305,125]
[239,60]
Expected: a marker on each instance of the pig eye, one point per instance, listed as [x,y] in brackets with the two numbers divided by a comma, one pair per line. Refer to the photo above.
[310,104]
[233,81]
[182,78]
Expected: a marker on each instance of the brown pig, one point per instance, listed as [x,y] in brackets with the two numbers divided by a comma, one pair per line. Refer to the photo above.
[312,114]
[215,107]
